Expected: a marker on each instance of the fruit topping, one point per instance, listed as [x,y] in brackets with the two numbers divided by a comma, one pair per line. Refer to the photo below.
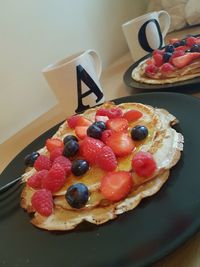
[116,185]
[42,163]
[101,118]
[166,56]
[144,164]
[81,131]
[90,148]
[117,124]
[110,113]
[42,202]
[195,48]
[132,115]
[139,132]
[35,181]
[56,153]
[100,124]
[71,148]
[55,178]
[94,131]
[190,41]
[77,195]
[158,58]
[79,167]
[106,159]
[53,143]
[31,158]
[169,48]
[166,68]
[151,70]
[158,51]
[184,60]
[173,41]
[105,135]
[69,138]
[121,143]
[78,120]
[65,163]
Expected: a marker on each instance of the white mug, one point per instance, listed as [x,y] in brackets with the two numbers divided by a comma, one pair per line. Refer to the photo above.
[75,81]
[143,34]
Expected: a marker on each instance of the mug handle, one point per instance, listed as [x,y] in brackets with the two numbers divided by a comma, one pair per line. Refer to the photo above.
[97,61]
[167,21]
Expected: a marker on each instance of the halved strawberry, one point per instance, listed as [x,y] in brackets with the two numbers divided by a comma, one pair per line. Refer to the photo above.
[81,131]
[117,124]
[184,60]
[158,58]
[53,143]
[190,41]
[116,185]
[78,120]
[101,118]
[132,115]
[121,143]
[106,159]
[105,135]
[182,48]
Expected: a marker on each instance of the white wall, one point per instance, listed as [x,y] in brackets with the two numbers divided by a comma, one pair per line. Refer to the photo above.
[35,33]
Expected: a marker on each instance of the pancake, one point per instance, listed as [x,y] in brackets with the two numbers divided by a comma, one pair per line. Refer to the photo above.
[163,142]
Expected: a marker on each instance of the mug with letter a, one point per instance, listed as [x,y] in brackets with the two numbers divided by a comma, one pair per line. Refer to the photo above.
[75,81]
[144,34]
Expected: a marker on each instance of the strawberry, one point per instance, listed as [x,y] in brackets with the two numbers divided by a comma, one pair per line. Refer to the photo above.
[151,69]
[106,159]
[110,113]
[158,51]
[132,115]
[42,202]
[35,181]
[81,131]
[158,59]
[116,185]
[144,164]
[78,120]
[55,178]
[117,124]
[190,41]
[53,143]
[105,135]
[121,143]
[42,163]
[181,48]
[166,68]
[101,118]
[55,153]
[184,60]
[90,148]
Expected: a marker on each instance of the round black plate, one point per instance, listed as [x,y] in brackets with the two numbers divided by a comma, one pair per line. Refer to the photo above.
[128,80]
[137,238]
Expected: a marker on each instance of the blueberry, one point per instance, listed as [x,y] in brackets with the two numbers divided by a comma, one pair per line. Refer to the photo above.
[31,158]
[79,167]
[183,42]
[100,124]
[70,148]
[94,131]
[166,56]
[169,48]
[77,195]
[195,48]
[69,138]
[139,132]
[177,44]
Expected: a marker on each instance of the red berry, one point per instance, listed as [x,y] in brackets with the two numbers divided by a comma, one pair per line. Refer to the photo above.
[190,41]
[55,153]
[78,120]
[101,118]
[173,40]
[166,68]
[81,131]
[105,135]
[117,124]
[177,53]
[65,163]
[110,113]
[53,143]
[121,143]
[158,59]
[90,148]
[158,51]
[144,164]
[150,61]
[116,185]
[132,115]
[42,202]
[151,70]
[106,159]
[55,178]
[35,181]
[42,163]
[184,60]
[181,48]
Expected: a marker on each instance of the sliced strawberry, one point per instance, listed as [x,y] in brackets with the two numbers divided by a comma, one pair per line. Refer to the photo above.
[121,143]
[101,118]
[116,185]
[182,48]
[158,59]
[105,135]
[81,131]
[106,159]
[132,115]
[78,120]
[53,143]
[117,124]
[190,41]
[184,60]
[90,148]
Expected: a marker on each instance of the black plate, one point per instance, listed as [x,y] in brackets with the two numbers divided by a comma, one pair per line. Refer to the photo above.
[128,80]
[137,238]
